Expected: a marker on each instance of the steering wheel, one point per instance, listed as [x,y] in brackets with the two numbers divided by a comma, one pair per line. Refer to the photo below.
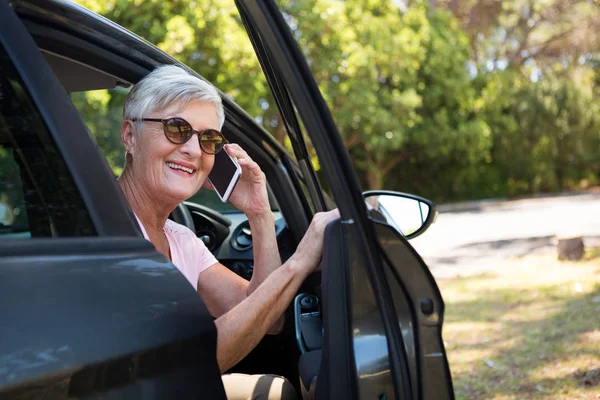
[182,216]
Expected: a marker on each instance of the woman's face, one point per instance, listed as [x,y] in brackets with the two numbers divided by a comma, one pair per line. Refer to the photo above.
[159,158]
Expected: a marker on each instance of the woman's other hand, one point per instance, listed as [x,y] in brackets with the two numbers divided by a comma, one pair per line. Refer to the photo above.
[250,194]
[309,251]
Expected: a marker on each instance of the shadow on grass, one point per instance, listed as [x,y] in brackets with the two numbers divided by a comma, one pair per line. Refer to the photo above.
[527,344]
[507,205]
[493,305]
[482,252]
[522,245]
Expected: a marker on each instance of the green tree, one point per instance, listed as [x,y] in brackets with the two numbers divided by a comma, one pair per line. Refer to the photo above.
[207,36]
[545,132]
[396,82]
[518,32]
[447,99]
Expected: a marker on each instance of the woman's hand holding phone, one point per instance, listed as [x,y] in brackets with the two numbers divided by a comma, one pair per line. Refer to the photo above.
[250,192]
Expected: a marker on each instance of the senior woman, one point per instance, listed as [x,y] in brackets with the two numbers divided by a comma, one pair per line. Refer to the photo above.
[171,130]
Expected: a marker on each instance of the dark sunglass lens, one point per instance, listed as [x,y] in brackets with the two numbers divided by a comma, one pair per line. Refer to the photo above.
[178,130]
[211,141]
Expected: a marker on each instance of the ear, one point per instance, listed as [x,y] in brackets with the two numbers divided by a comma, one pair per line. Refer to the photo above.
[128,136]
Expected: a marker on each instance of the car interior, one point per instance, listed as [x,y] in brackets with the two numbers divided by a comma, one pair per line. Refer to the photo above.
[82,68]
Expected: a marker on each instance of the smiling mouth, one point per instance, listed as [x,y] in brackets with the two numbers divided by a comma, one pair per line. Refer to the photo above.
[180,167]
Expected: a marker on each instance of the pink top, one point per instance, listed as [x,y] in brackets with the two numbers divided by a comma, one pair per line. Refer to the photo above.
[188,253]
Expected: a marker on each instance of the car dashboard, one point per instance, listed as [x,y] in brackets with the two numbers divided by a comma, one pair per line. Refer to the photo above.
[229,237]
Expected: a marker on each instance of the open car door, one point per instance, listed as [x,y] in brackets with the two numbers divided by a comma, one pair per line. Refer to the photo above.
[379,306]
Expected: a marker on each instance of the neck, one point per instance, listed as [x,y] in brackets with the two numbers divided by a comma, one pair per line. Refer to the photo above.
[151,213]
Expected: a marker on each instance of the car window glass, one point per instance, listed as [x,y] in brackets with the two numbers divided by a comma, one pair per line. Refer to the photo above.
[314,159]
[38,197]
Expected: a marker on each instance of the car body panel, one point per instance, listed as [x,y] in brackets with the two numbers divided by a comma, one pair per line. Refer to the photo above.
[420,308]
[289,67]
[91,315]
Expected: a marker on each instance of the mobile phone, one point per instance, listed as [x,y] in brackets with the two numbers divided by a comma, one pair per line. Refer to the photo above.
[224,175]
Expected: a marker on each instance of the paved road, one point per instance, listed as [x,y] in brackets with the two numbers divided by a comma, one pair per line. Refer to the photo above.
[483,235]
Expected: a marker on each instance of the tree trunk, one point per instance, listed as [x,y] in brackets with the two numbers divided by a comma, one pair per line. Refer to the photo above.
[454,7]
[530,185]
[375,178]
[280,132]
[374,174]
[558,173]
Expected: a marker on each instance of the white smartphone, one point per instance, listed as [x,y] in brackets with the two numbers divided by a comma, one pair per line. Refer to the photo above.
[224,175]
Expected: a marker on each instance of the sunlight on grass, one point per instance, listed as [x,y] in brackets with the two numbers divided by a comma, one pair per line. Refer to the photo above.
[528,331]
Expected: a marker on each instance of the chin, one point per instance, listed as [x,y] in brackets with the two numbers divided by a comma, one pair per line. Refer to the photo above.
[179,195]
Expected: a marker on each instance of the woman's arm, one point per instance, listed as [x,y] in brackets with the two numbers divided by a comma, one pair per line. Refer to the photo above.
[221,289]
[264,246]
[266,257]
[240,329]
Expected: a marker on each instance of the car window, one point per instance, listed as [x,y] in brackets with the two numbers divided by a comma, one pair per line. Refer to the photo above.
[38,197]
[314,160]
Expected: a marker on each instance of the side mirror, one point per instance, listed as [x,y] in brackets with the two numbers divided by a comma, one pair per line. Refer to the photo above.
[411,215]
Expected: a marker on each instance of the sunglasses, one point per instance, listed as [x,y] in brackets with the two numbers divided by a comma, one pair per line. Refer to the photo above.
[179,131]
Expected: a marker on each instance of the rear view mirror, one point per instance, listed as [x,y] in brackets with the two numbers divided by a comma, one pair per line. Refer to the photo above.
[411,215]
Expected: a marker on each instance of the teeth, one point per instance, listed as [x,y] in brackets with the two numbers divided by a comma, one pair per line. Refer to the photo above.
[181,167]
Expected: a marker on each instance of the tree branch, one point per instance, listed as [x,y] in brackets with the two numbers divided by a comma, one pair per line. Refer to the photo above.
[388,167]
[401,157]
[544,45]
[353,140]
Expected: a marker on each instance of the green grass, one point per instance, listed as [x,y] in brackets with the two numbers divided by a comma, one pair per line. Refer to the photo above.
[529,331]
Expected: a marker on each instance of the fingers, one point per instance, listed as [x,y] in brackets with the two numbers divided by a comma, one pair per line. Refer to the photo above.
[310,248]
[321,219]
[333,214]
[245,161]
[328,215]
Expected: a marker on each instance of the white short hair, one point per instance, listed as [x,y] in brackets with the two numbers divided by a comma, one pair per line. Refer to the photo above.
[165,86]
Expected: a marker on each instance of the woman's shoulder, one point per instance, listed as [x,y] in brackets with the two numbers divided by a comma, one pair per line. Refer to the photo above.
[189,250]
[179,230]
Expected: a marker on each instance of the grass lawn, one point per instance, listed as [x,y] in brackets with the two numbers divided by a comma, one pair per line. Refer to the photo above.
[529,331]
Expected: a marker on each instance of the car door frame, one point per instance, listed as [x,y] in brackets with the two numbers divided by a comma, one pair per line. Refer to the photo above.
[266,23]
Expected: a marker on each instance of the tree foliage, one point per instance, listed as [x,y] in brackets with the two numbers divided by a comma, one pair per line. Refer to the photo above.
[447,99]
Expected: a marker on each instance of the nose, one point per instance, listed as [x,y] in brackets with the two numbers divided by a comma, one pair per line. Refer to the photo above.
[192,147]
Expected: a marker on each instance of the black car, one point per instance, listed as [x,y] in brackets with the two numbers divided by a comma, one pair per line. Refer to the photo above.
[90,309]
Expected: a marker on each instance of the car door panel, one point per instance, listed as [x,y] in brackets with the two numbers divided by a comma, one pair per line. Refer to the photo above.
[420,309]
[101,321]
[97,316]
[386,329]
[337,377]
[264,20]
